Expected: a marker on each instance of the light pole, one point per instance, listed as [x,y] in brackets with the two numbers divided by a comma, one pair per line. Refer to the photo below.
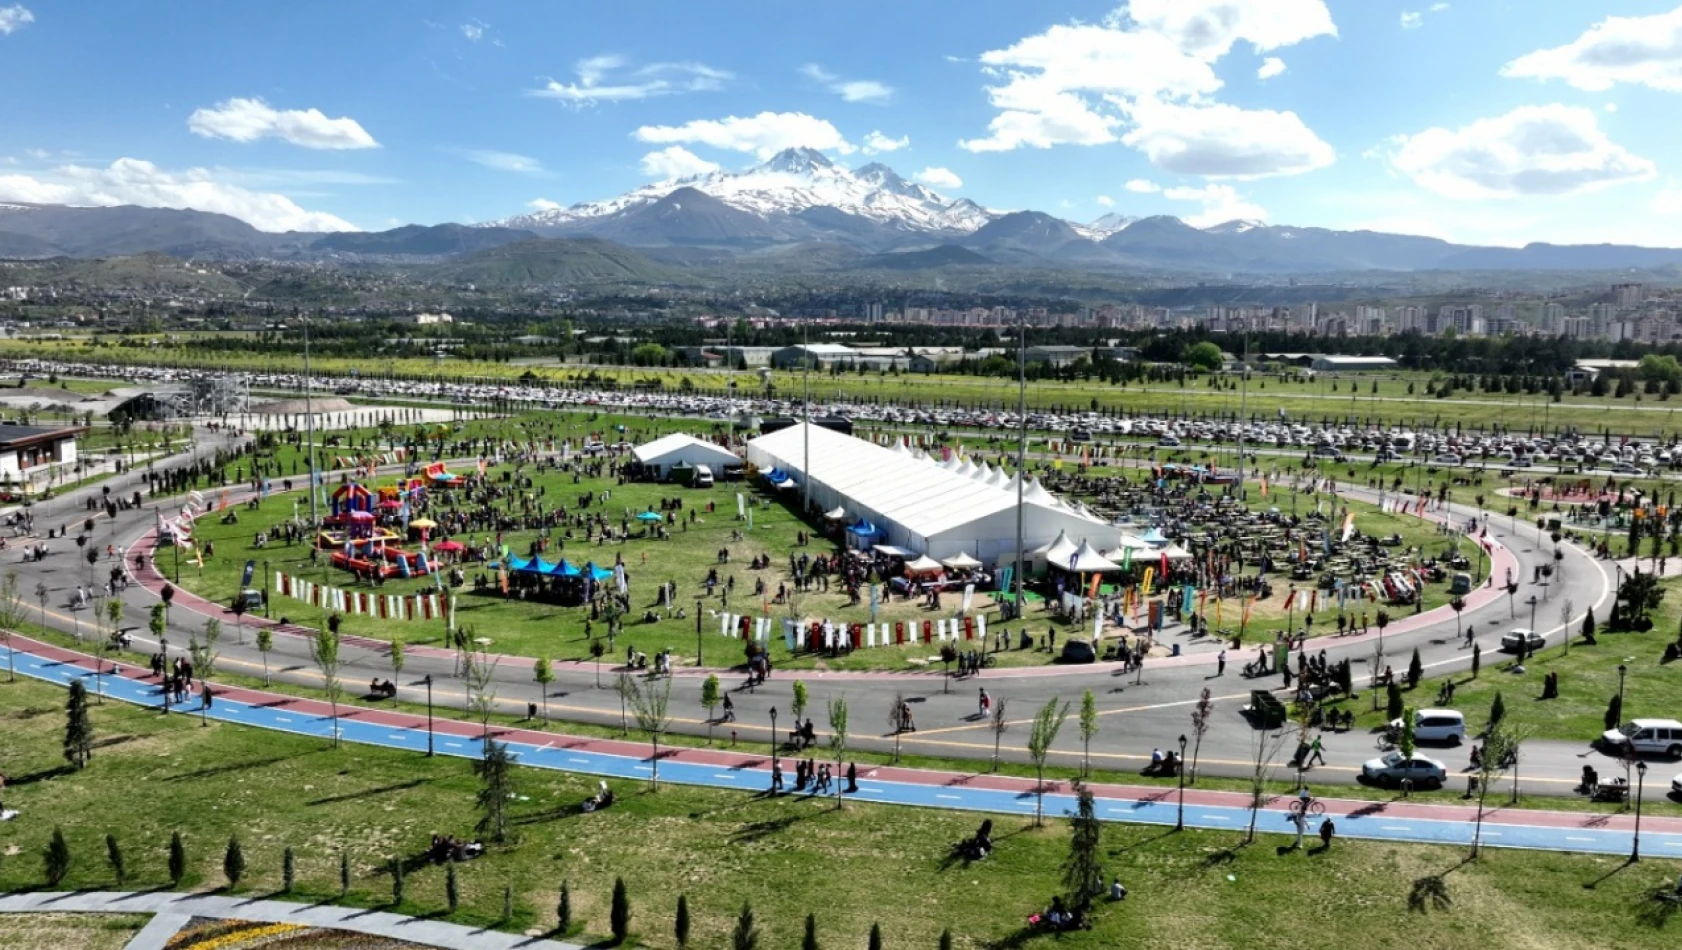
[1640,784]
[1532,602]
[1180,767]
[1622,669]
[428,681]
[1021,445]
[697,633]
[774,742]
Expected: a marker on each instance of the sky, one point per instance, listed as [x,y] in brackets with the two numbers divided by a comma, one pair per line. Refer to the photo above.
[1479,121]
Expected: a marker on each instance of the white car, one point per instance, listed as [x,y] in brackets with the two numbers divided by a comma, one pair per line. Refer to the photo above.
[1393,769]
[1646,737]
[1676,786]
[1530,640]
[1436,725]
[1447,458]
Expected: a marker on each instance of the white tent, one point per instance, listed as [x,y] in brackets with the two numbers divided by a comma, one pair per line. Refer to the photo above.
[1086,561]
[918,506]
[961,562]
[679,449]
[923,565]
[1058,551]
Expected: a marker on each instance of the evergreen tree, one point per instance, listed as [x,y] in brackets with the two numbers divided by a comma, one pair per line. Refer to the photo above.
[1416,669]
[1497,712]
[1614,712]
[875,937]
[344,873]
[177,859]
[1477,659]
[288,870]
[1082,874]
[496,787]
[114,857]
[452,892]
[746,936]
[507,904]
[946,935]
[1588,625]
[1393,701]
[680,928]
[619,915]
[233,862]
[396,881]
[563,910]
[55,860]
[78,730]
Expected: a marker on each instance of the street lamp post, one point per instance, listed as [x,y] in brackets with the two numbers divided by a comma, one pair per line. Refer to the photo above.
[1532,602]
[697,633]
[1640,784]
[1622,669]
[428,682]
[1180,767]
[774,742]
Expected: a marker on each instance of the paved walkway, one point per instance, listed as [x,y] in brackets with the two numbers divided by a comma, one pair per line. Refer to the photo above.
[749,771]
[173,911]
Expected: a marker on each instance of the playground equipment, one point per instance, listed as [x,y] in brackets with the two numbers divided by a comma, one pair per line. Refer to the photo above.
[351,530]
[439,477]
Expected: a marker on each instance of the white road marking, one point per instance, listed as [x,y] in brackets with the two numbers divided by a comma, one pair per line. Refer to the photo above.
[578,761]
[949,797]
[1216,818]
[453,745]
[392,735]
[281,719]
[1395,827]
[1571,838]
[727,777]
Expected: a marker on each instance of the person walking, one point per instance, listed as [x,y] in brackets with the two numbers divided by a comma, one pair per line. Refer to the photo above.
[1327,829]
[1316,752]
[729,709]
[1220,664]
[986,703]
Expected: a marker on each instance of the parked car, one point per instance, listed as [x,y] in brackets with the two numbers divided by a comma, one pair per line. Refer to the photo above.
[1394,768]
[1646,737]
[1520,636]
[1079,651]
[1676,787]
[1436,725]
[1447,458]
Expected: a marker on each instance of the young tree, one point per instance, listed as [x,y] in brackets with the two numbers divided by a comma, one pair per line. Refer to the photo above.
[233,862]
[1088,729]
[1457,605]
[114,857]
[480,676]
[55,859]
[177,859]
[78,730]
[619,915]
[680,927]
[1565,611]
[1405,740]
[397,658]
[838,739]
[12,617]
[203,653]
[746,935]
[495,769]
[1202,716]
[596,651]
[800,700]
[507,903]
[1491,764]
[544,673]
[265,643]
[324,649]
[114,614]
[1000,725]
[1083,876]
[1047,723]
[1262,763]
[710,697]
[650,705]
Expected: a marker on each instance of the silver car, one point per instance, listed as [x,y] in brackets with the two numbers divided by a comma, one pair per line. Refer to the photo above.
[1394,768]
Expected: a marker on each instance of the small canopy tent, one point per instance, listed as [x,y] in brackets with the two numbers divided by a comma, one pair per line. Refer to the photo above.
[961,562]
[924,565]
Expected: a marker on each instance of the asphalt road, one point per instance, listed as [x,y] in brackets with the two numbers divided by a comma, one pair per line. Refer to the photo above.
[1134,717]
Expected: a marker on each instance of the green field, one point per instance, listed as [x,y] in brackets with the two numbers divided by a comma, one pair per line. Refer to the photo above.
[865,864]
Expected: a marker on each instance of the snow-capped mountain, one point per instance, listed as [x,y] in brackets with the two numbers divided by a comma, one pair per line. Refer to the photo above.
[1237,226]
[1104,226]
[798,190]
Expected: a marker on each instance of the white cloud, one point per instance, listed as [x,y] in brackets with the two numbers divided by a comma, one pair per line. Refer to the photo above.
[1270,67]
[14,18]
[596,82]
[1412,19]
[1142,186]
[1644,51]
[1222,141]
[876,142]
[543,204]
[131,181]
[1611,107]
[764,134]
[675,161]
[1438,7]
[1105,201]
[1221,203]
[1089,84]
[248,120]
[851,90]
[936,177]
[504,161]
[474,31]
[1533,150]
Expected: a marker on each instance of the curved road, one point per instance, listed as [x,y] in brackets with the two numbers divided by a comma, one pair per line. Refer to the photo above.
[1134,716]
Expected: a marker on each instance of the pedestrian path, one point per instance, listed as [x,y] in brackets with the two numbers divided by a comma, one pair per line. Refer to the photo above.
[173,911]
[749,771]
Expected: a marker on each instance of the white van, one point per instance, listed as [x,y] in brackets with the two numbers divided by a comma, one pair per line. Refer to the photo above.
[703,477]
[1647,736]
[1436,725]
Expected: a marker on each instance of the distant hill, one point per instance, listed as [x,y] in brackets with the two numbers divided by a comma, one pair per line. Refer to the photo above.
[946,255]
[127,229]
[542,261]
[438,240]
[153,273]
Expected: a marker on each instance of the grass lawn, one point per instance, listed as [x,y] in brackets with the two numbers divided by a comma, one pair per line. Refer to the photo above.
[151,776]
[81,931]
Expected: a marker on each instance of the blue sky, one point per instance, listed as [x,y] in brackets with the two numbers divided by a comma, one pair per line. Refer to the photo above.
[1488,121]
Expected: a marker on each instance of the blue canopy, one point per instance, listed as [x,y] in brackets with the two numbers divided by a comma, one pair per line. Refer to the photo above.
[776,476]
[650,516]
[1154,536]
[598,573]
[518,563]
[564,569]
[864,529]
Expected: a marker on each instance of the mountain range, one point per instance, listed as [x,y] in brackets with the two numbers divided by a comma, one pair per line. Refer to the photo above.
[798,210]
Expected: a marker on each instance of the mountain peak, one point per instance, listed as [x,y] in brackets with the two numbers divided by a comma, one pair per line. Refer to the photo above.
[800,160]
[1235,226]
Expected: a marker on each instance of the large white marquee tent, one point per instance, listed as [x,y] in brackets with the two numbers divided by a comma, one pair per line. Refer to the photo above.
[941,509]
